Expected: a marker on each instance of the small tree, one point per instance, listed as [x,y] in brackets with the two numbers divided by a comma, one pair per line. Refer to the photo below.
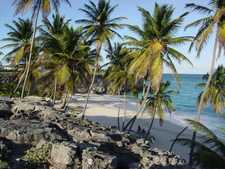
[157,101]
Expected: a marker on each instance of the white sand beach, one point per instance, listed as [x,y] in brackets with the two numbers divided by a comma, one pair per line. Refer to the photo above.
[103,109]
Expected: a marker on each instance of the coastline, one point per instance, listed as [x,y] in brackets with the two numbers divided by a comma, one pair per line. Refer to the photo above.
[103,109]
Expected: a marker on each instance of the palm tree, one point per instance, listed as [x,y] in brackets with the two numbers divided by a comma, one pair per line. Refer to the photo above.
[216,90]
[208,24]
[100,27]
[215,93]
[155,48]
[66,57]
[37,5]
[19,35]
[117,74]
[210,150]
[51,33]
[156,102]
[0,61]
[20,41]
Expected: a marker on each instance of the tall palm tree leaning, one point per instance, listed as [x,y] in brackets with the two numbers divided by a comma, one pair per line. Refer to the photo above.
[45,6]
[154,48]
[207,155]
[214,22]
[100,27]
[208,24]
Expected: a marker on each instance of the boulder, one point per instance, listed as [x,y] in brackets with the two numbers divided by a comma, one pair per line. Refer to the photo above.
[92,159]
[98,89]
[5,109]
[64,155]
[25,132]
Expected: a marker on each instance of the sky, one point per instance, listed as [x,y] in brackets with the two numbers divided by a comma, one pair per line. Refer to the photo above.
[129,9]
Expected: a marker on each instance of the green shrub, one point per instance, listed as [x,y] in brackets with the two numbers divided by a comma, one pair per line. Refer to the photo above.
[3,165]
[39,156]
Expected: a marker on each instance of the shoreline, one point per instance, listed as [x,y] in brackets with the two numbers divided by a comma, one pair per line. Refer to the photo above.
[103,109]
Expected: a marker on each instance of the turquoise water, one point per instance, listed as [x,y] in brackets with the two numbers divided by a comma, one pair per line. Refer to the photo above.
[185,102]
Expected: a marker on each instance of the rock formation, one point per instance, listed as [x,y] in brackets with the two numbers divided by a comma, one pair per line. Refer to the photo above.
[77,143]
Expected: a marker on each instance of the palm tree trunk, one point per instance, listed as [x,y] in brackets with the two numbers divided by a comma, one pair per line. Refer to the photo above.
[125,105]
[118,118]
[65,100]
[89,90]
[144,87]
[150,127]
[54,92]
[171,147]
[29,88]
[197,118]
[20,81]
[98,49]
[192,148]
[131,122]
[31,50]
[67,103]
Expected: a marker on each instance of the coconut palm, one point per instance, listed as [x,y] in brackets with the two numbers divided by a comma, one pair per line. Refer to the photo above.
[156,103]
[213,20]
[157,37]
[117,74]
[216,90]
[210,150]
[66,57]
[101,27]
[37,5]
[214,93]
[52,32]
[19,39]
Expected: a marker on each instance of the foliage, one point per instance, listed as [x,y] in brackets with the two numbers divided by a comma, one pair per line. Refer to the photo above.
[117,71]
[39,156]
[65,56]
[7,89]
[18,39]
[155,46]
[3,165]
[157,101]
[216,90]
[213,18]
[210,150]
[99,27]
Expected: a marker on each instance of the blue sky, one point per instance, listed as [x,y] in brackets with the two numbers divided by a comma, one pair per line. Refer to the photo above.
[128,8]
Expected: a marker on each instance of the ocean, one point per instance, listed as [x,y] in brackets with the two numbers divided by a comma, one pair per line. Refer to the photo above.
[185,103]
